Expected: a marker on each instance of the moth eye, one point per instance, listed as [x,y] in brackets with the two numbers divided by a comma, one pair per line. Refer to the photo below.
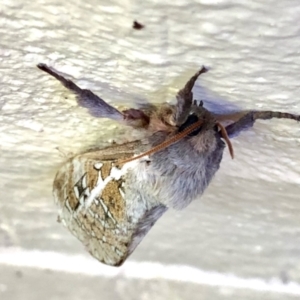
[190,121]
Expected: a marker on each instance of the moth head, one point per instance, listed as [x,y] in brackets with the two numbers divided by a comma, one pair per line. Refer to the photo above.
[186,119]
[204,134]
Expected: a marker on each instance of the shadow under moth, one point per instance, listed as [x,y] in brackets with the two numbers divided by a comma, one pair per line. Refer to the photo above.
[110,198]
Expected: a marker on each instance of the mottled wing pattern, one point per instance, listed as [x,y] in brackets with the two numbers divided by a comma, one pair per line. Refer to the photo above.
[90,193]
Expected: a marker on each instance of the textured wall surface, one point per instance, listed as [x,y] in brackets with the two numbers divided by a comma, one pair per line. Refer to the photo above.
[241,240]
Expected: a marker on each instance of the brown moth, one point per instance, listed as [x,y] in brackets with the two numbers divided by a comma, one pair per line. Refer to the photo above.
[110,198]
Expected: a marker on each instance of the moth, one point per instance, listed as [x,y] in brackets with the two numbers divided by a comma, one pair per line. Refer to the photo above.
[110,198]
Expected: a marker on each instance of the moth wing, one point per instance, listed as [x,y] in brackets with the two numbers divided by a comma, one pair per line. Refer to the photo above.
[90,194]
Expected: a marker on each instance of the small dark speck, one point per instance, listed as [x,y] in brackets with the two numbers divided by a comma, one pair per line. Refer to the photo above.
[138,26]
[19,274]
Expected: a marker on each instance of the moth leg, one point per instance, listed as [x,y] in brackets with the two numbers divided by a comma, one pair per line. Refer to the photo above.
[185,98]
[249,118]
[135,117]
[85,98]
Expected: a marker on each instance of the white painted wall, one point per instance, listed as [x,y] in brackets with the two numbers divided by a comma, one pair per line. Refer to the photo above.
[246,225]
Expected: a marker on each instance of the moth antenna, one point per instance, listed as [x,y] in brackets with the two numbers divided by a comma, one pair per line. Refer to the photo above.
[172,140]
[226,138]
[185,98]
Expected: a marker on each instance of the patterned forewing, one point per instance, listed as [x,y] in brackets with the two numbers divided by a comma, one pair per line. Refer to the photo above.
[90,196]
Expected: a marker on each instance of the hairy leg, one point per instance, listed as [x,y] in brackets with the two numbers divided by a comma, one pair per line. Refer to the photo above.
[85,98]
[247,119]
[185,98]
[96,106]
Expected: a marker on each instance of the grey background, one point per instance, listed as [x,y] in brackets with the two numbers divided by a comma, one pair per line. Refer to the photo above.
[246,224]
